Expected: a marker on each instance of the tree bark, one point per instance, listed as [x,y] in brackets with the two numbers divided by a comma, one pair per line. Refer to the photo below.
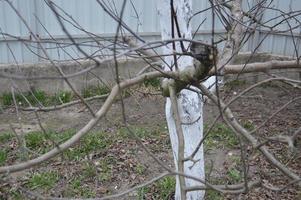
[190,104]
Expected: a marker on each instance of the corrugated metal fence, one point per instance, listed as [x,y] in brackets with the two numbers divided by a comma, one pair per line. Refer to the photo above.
[140,15]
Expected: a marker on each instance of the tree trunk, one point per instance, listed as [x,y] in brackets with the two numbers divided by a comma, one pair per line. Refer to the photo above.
[190,104]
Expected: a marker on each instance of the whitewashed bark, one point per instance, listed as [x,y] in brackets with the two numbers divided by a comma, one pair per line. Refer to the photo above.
[190,103]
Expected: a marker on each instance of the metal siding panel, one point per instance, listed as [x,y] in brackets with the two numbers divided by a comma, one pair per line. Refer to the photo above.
[85,46]
[24,7]
[149,16]
[52,51]
[3,18]
[27,55]
[290,49]
[278,44]
[4,53]
[110,25]
[266,45]
[50,21]
[91,16]
[82,10]
[70,7]
[136,15]
[12,24]
[204,17]
[96,18]
[15,55]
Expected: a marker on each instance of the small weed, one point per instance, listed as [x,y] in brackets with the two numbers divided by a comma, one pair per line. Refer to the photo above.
[95,90]
[161,190]
[3,156]
[63,97]
[103,89]
[219,136]
[234,175]
[166,187]
[142,192]
[89,170]
[35,140]
[248,125]
[36,97]
[154,82]
[76,188]
[105,168]
[140,169]
[5,137]
[213,195]
[45,180]
[76,183]
[16,195]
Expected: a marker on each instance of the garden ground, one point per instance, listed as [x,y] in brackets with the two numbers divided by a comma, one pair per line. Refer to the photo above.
[108,160]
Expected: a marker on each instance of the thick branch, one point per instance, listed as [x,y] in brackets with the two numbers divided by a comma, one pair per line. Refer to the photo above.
[260,67]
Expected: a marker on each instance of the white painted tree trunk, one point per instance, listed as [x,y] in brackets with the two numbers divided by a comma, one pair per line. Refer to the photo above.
[190,103]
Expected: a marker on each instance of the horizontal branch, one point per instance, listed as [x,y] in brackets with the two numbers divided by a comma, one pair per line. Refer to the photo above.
[260,67]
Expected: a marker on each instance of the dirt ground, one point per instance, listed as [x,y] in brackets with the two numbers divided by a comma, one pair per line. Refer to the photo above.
[147,111]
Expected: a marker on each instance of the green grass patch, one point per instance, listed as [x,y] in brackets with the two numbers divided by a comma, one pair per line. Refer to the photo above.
[220,136]
[92,142]
[3,156]
[154,82]
[89,170]
[213,195]
[39,97]
[35,140]
[43,180]
[34,98]
[248,125]
[140,169]
[105,167]
[42,142]
[234,175]
[61,97]
[76,188]
[162,190]
[16,194]
[7,99]
[95,90]
[5,137]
